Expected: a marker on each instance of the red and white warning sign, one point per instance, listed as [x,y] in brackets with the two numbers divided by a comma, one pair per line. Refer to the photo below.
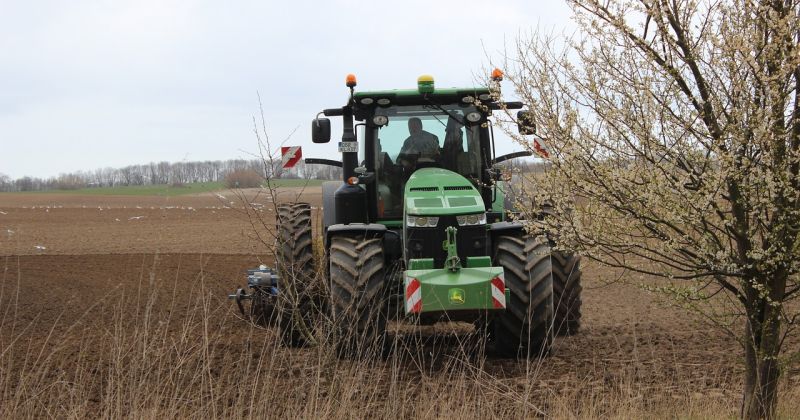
[540,148]
[499,291]
[413,296]
[290,155]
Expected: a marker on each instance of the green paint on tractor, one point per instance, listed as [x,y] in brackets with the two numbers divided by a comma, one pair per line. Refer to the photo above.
[437,192]
[473,283]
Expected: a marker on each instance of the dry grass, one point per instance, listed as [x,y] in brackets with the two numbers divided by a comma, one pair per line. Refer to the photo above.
[145,362]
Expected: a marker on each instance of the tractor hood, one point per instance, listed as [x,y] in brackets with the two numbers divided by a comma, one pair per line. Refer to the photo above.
[439,192]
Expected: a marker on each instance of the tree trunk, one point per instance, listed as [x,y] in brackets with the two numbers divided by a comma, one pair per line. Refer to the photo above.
[761,351]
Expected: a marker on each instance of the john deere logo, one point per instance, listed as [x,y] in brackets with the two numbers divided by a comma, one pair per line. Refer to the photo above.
[456,296]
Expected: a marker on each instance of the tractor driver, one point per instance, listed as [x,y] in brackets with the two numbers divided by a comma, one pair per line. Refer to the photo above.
[420,144]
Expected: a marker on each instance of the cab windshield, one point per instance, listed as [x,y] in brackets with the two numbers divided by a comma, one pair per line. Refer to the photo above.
[422,136]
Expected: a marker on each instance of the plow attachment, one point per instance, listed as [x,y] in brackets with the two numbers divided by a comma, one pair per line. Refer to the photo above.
[262,290]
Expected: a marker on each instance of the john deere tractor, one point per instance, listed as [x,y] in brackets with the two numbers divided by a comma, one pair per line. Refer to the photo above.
[418,229]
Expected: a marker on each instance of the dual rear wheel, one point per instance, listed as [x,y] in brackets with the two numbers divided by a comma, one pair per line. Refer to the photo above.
[545,295]
[300,296]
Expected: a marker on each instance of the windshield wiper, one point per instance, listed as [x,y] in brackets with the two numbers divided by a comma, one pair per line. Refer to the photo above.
[440,108]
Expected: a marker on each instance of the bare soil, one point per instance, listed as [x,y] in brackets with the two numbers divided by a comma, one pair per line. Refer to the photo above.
[71,266]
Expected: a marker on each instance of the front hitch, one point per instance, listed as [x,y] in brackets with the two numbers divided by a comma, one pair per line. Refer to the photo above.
[452,262]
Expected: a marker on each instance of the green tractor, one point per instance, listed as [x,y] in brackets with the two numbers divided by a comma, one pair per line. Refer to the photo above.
[419,228]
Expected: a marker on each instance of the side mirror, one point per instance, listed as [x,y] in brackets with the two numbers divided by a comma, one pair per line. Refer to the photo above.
[321,130]
[525,123]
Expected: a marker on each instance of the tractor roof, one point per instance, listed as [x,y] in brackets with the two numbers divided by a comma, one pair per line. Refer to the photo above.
[412,96]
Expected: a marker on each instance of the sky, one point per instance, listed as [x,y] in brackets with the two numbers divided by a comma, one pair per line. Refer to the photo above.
[92,84]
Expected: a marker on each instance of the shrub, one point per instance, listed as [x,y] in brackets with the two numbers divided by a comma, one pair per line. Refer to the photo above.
[243,178]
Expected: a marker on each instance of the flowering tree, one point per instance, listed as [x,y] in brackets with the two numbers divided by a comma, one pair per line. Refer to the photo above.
[674,135]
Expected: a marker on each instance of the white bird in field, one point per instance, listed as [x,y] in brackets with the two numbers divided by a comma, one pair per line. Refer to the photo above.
[116,220]
[39,247]
[3,213]
[136,218]
[220,196]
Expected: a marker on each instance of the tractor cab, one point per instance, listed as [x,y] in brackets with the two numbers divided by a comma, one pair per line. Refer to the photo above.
[402,131]
[416,137]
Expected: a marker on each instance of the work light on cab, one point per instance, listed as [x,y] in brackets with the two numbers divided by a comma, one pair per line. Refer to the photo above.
[380,120]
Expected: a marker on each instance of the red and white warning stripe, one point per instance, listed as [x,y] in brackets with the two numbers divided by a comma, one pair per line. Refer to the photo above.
[499,291]
[413,296]
[540,148]
[290,155]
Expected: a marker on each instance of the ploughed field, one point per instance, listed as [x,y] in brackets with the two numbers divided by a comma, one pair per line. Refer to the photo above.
[116,305]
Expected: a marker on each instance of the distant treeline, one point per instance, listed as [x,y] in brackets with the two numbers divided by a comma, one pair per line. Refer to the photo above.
[166,173]
[524,165]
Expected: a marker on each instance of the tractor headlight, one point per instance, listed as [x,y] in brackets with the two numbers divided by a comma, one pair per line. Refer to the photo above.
[367,101]
[421,221]
[471,219]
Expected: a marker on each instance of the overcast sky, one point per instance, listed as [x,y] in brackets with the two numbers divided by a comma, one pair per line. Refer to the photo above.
[90,84]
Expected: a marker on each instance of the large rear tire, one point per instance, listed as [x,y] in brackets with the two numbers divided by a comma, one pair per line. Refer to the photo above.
[525,329]
[298,305]
[567,292]
[357,306]
[566,279]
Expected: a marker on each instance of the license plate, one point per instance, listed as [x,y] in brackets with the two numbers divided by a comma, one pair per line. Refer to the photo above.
[348,147]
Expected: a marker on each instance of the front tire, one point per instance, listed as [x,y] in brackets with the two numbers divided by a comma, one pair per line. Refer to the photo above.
[525,329]
[357,281]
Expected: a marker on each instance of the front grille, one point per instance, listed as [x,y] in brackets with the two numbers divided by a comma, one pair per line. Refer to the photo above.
[427,242]
[425,188]
[458,188]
